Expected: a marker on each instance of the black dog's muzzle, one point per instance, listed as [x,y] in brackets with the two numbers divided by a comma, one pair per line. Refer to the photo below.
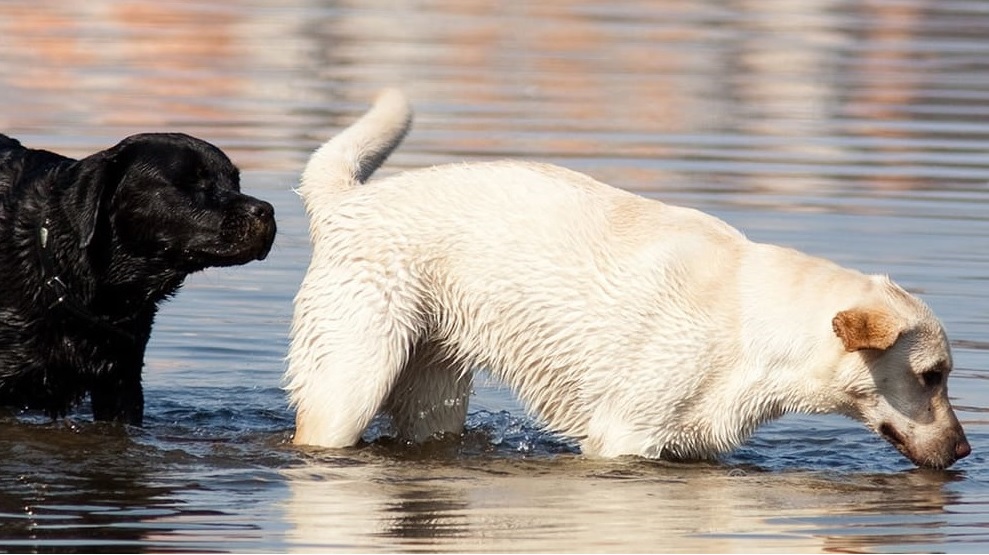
[249,230]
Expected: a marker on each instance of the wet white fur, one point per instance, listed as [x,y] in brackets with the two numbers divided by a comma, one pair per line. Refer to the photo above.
[632,326]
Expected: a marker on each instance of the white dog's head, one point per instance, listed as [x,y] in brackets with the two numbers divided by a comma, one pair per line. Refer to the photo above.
[895,376]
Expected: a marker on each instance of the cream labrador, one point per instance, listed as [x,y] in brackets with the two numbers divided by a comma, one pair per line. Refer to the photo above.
[632,326]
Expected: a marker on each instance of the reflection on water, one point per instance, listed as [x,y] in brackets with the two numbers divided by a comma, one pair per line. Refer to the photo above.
[858,132]
[563,504]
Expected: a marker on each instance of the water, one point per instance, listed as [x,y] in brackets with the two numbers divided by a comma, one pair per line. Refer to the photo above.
[854,131]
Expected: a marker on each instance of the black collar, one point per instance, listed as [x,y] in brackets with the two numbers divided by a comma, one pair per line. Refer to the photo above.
[64,300]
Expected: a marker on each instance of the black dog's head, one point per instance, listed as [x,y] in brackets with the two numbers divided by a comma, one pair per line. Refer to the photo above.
[169,197]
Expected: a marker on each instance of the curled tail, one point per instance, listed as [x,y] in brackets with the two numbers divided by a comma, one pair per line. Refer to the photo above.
[350,158]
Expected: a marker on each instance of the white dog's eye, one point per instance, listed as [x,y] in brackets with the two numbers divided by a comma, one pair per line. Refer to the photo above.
[932,378]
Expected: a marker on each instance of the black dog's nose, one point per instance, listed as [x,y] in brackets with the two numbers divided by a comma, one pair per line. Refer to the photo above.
[262,226]
[261,210]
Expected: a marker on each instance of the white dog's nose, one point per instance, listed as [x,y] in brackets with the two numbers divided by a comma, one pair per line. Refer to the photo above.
[962,449]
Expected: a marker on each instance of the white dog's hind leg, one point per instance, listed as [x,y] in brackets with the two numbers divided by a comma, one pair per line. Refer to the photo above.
[346,354]
[430,397]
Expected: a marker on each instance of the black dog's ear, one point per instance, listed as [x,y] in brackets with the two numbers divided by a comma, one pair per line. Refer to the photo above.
[89,186]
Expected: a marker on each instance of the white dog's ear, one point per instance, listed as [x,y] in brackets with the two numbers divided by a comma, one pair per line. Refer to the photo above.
[866,328]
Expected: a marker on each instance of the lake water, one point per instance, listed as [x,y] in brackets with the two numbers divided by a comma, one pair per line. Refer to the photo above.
[857,131]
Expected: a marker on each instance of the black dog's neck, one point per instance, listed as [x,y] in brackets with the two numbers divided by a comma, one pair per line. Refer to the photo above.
[64,298]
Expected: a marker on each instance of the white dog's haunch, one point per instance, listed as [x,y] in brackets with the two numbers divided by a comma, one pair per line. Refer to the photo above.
[632,326]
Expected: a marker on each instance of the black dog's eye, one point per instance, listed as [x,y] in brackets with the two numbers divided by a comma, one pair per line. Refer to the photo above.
[932,378]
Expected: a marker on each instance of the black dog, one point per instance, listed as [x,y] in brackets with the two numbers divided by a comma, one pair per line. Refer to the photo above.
[89,248]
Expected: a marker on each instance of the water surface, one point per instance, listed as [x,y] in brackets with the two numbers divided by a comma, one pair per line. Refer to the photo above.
[853,131]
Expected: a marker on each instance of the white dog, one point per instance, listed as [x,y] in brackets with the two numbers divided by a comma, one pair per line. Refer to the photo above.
[629,325]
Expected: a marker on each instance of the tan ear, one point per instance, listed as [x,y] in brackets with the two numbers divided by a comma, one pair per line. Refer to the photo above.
[866,328]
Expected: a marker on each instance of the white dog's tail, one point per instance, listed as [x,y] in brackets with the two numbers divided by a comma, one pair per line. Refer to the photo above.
[350,158]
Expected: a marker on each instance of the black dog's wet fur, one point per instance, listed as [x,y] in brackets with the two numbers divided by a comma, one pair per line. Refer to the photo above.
[124,228]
